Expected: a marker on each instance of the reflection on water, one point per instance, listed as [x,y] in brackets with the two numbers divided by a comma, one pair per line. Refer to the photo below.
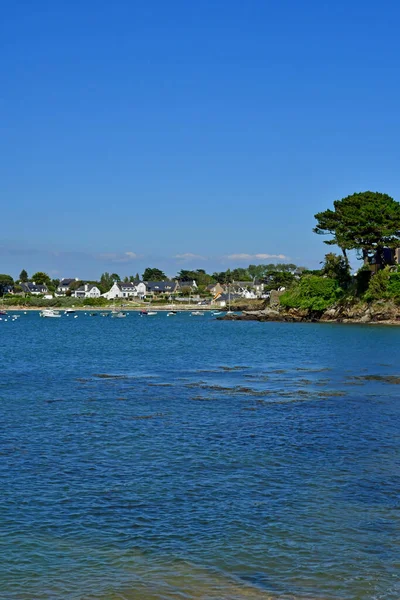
[182,458]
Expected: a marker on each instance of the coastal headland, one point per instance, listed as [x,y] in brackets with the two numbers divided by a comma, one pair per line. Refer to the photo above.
[381,311]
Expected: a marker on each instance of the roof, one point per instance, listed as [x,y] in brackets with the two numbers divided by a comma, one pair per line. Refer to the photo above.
[86,288]
[213,285]
[228,296]
[66,282]
[188,283]
[126,286]
[160,286]
[33,287]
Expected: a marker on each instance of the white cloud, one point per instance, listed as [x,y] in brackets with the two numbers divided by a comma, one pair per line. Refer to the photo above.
[256,256]
[115,257]
[189,256]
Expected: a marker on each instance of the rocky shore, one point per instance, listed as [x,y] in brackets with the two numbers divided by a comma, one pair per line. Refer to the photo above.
[382,311]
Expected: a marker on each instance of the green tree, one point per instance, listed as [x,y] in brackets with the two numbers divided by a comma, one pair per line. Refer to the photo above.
[153,275]
[223,276]
[378,285]
[312,293]
[54,283]
[256,271]
[115,277]
[337,267]
[202,278]
[185,275]
[23,276]
[394,285]
[277,279]
[5,281]
[106,281]
[240,274]
[75,285]
[366,221]
[41,278]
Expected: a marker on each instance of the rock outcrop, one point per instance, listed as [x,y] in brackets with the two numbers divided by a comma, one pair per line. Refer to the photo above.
[381,311]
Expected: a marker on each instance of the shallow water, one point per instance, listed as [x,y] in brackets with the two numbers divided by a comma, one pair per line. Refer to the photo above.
[165,458]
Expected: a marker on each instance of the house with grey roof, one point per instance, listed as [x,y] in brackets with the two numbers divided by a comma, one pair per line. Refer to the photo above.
[160,287]
[187,285]
[88,290]
[64,286]
[30,287]
[215,288]
[224,299]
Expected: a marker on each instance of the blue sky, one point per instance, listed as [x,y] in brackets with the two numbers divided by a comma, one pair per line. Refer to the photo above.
[181,134]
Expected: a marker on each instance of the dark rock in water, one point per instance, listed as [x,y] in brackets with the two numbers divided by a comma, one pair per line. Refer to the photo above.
[108,376]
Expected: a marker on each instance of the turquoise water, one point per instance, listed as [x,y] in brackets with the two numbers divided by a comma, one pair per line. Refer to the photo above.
[187,458]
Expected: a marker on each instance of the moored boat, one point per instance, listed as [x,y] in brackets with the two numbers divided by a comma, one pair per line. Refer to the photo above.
[49,313]
[118,314]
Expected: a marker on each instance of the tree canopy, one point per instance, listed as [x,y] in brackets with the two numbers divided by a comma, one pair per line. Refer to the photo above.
[337,267]
[41,278]
[23,276]
[313,293]
[366,221]
[5,281]
[153,275]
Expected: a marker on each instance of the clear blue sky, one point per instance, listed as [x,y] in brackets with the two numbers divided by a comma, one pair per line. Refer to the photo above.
[135,132]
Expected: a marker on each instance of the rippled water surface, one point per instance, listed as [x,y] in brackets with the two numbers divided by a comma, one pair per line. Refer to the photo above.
[189,458]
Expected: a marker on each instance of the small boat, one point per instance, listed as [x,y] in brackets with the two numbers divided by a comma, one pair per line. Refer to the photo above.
[197,313]
[143,313]
[3,313]
[104,314]
[171,313]
[69,311]
[49,313]
[151,313]
[94,314]
[118,314]
[217,313]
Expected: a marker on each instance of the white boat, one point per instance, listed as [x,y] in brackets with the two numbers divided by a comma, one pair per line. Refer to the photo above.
[218,313]
[118,314]
[171,313]
[68,311]
[50,313]
[197,313]
[151,313]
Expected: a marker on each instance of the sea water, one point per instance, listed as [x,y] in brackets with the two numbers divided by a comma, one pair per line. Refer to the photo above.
[185,457]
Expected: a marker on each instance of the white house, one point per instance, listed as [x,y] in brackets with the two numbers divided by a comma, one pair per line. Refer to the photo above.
[64,286]
[141,289]
[120,289]
[88,290]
